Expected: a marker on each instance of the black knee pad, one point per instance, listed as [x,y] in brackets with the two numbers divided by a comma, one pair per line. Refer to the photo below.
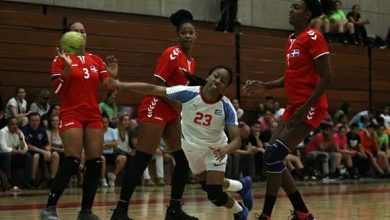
[216,195]
[70,166]
[93,167]
[274,156]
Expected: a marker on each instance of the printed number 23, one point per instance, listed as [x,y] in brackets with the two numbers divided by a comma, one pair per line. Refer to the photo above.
[203,119]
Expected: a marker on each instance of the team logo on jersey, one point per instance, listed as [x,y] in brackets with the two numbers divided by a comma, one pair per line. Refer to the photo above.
[310,113]
[218,112]
[93,69]
[174,54]
[312,34]
[151,107]
[294,53]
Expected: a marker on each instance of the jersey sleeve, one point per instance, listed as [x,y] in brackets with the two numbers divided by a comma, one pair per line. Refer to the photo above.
[317,44]
[102,67]
[181,93]
[166,64]
[230,113]
[57,67]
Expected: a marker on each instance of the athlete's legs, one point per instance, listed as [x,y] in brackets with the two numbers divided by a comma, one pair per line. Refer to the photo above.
[149,135]
[284,137]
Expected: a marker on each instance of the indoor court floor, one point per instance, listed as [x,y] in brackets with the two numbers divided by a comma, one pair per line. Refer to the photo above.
[360,200]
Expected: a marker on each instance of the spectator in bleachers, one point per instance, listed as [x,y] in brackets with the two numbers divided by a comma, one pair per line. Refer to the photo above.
[295,165]
[341,141]
[39,147]
[369,142]
[339,24]
[41,104]
[321,148]
[109,107]
[159,159]
[354,144]
[13,152]
[383,142]
[17,107]
[247,163]
[239,111]
[269,104]
[385,114]
[110,144]
[278,110]
[342,121]
[354,17]
[258,151]
[322,24]
[54,110]
[361,118]
[55,142]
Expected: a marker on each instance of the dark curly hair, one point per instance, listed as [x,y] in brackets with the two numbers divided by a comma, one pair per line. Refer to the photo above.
[180,17]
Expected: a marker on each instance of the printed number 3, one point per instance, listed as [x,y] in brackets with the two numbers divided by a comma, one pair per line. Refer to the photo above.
[203,119]
[86,73]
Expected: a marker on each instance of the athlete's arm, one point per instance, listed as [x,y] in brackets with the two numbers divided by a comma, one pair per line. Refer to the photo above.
[235,139]
[142,88]
[158,81]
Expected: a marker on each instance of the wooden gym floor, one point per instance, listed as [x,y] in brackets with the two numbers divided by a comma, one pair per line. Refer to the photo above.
[360,200]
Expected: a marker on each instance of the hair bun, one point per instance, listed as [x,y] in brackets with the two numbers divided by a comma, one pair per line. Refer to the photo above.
[181,16]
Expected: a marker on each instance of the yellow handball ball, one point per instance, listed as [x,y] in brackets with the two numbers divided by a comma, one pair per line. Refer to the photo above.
[73,42]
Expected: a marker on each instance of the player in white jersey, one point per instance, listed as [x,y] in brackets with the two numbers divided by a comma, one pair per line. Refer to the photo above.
[205,113]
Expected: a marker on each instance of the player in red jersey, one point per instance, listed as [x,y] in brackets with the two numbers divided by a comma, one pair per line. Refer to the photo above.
[76,78]
[308,74]
[160,118]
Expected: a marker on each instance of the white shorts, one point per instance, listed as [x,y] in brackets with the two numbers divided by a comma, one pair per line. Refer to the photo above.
[201,160]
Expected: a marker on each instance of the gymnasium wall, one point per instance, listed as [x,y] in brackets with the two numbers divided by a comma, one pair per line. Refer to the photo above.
[258,13]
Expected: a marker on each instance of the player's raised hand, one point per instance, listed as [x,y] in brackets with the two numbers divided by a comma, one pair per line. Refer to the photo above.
[112,66]
[64,56]
[253,86]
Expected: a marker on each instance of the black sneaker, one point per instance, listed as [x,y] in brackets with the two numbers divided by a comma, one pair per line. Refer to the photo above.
[294,216]
[87,215]
[120,214]
[178,214]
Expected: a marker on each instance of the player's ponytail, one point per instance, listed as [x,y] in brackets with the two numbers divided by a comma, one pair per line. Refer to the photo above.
[180,17]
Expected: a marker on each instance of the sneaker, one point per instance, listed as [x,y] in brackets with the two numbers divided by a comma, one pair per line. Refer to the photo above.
[246,192]
[103,182]
[111,179]
[294,216]
[120,214]
[87,215]
[49,213]
[149,183]
[178,214]
[243,215]
[263,217]
[160,182]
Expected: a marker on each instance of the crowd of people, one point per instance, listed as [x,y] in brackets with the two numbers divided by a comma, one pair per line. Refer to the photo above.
[79,137]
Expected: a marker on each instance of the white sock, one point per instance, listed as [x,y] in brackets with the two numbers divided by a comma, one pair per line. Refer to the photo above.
[234,185]
[236,207]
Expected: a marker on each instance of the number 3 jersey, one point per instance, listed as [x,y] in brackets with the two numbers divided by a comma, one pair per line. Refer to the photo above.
[203,122]
[79,89]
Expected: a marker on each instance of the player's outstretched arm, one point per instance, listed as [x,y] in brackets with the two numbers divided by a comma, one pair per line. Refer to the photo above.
[142,88]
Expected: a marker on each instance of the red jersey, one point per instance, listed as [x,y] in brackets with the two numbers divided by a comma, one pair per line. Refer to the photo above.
[79,89]
[171,64]
[300,76]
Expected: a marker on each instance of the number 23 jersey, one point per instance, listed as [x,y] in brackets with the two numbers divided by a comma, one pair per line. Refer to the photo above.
[203,122]
[79,90]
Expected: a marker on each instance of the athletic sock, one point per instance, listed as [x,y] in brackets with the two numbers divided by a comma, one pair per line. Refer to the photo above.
[297,202]
[234,185]
[269,202]
[91,182]
[179,175]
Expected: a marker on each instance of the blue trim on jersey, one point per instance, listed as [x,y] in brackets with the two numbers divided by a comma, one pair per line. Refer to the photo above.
[182,96]
[230,118]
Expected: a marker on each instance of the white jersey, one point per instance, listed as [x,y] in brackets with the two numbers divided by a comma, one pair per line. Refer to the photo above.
[202,122]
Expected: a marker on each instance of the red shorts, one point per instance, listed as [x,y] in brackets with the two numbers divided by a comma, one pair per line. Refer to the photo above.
[155,110]
[71,119]
[314,116]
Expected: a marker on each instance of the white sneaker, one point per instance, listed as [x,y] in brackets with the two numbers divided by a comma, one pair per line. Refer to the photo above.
[111,179]
[103,182]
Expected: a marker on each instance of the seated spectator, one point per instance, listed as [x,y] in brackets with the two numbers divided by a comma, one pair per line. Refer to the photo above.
[385,114]
[322,24]
[55,142]
[361,118]
[258,150]
[110,144]
[158,156]
[39,148]
[321,148]
[371,148]
[340,24]
[354,144]
[247,166]
[355,18]
[13,152]
[342,121]
[278,110]
[239,111]
[41,104]
[53,110]
[295,166]
[109,107]
[17,107]
[341,141]
[383,142]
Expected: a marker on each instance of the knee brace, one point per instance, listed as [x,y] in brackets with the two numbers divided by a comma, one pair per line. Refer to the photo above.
[93,167]
[274,156]
[216,195]
[70,166]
